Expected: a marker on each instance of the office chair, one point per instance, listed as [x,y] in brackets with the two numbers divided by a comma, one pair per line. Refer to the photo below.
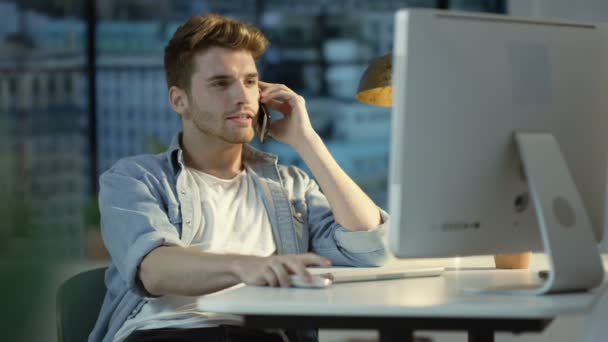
[79,300]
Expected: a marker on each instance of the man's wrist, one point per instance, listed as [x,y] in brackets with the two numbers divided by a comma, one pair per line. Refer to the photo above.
[235,266]
[306,141]
[240,265]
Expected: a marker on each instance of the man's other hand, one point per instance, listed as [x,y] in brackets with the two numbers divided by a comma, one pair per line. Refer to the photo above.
[275,270]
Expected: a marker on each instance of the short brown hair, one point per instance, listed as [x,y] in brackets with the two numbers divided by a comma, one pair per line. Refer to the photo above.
[201,32]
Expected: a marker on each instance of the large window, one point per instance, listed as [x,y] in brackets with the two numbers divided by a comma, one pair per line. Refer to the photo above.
[44,129]
[82,85]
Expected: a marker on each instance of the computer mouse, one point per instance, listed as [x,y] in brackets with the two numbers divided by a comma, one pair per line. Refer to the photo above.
[318,282]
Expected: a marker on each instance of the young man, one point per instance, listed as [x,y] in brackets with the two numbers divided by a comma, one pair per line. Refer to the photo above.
[212,212]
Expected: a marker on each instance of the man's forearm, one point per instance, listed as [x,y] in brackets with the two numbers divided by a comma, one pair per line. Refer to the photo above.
[187,272]
[351,207]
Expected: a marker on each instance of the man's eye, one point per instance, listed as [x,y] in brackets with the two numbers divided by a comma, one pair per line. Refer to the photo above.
[219,84]
[252,82]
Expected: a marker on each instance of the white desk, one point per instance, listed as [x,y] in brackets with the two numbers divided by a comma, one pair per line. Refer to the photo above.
[398,307]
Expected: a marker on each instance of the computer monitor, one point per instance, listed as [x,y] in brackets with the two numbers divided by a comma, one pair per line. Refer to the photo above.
[498,124]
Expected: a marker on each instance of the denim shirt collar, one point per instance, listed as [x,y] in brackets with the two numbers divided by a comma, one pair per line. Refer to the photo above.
[251,155]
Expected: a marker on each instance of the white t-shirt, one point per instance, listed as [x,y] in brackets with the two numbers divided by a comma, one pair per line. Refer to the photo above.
[233,221]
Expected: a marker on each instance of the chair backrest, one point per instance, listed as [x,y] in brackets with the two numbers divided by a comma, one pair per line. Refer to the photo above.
[79,300]
[596,329]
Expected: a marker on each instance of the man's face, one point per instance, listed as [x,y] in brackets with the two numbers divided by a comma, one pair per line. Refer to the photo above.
[224,94]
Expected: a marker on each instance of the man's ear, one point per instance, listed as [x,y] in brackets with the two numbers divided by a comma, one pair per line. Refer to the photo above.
[178,98]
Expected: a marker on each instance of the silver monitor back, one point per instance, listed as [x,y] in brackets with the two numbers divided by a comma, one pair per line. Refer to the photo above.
[463,84]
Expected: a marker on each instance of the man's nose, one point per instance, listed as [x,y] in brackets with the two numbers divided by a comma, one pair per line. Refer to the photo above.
[240,93]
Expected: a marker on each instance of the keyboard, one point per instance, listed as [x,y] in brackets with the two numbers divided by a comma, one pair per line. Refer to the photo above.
[344,275]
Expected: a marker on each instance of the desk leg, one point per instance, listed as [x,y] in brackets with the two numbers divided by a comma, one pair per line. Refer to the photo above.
[396,335]
[481,336]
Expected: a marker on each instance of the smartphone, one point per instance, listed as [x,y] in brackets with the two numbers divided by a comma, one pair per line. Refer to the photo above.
[263,122]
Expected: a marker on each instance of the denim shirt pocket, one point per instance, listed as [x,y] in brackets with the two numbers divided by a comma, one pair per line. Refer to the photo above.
[299,211]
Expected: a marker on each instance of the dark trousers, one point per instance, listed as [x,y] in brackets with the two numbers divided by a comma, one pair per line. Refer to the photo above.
[223,333]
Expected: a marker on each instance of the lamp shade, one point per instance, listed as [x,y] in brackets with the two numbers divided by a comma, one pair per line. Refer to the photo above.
[375,84]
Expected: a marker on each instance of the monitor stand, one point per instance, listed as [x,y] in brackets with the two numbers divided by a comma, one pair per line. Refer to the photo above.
[567,236]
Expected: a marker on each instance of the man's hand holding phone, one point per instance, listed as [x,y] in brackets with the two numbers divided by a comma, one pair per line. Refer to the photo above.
[294,127]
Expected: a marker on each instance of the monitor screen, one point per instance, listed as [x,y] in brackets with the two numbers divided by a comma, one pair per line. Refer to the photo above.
[463,86]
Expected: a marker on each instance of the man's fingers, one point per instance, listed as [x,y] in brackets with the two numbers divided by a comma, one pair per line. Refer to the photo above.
[279,94]
[297,267]
[277,269]
[263,85]
[311,259]
[298,264]
[270,277]
[280,272]
[267,87]
[279,106]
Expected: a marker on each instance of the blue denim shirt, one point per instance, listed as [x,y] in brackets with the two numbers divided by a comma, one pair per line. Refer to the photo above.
[144,205]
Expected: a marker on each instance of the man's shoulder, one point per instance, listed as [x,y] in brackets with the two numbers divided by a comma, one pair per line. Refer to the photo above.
[139,165]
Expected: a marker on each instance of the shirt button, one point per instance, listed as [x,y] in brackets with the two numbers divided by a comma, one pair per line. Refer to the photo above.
[188,222]
[183,192]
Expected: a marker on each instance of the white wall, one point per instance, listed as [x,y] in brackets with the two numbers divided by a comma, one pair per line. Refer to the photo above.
[570,10]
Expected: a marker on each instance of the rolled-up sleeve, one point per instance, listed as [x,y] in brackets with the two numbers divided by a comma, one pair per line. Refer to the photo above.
[133,223]
[342,246]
